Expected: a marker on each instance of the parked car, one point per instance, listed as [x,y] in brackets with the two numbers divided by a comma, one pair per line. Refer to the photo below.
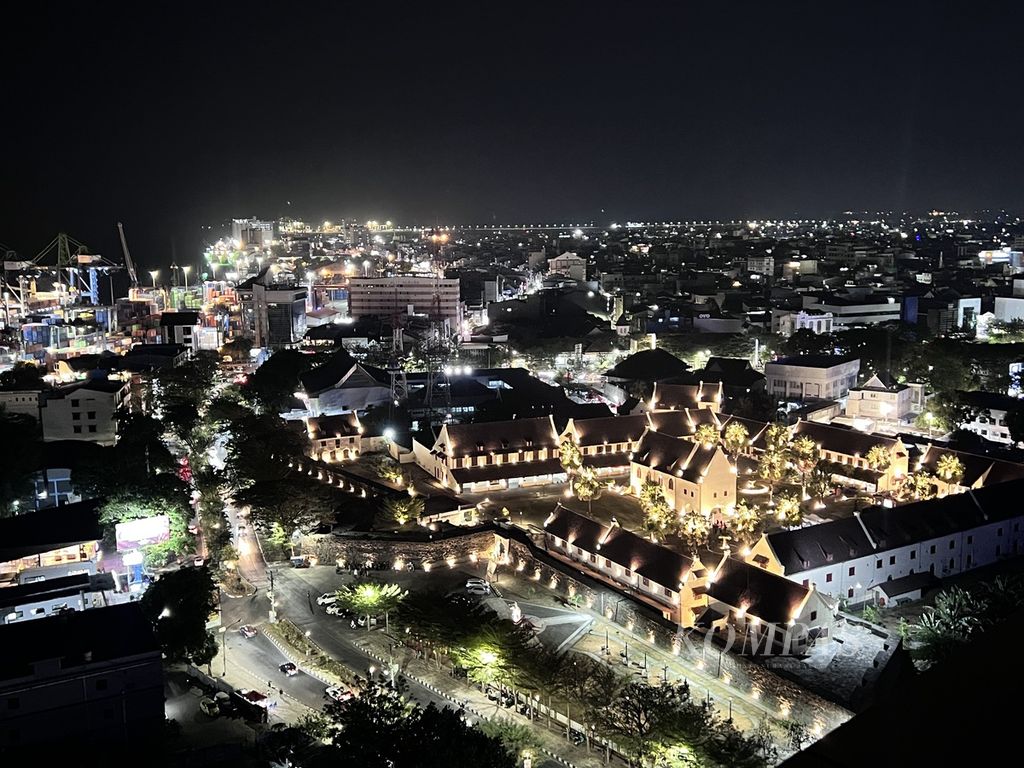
[340,695]
[479,589]
[299,562]
[248,631]
[334,609]
[289,669]
[208,707]
[475,582]
[327,598]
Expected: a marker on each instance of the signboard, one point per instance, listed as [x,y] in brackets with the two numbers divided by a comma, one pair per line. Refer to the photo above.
[141,533]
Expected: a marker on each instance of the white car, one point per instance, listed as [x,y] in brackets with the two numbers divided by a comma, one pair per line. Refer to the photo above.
[327,598]
[479,589]
[475,582]
[334,609]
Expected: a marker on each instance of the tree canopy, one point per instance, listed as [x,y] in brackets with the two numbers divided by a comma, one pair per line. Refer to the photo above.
[179,605]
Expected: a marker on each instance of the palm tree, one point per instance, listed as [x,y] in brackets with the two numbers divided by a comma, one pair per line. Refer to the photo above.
[735,438]
[706,434]
[787,510]
[806,456]
[949,468]
[587,487]
[879,458]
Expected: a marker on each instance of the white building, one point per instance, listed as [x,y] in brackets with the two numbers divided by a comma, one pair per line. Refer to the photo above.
[761,265]
[856,311]
[23,401]
[880,400]
[786,322]
[84,411]
[570,265]
[1009,308]
[181,328]
[252,232]
[988,414]
[811,377]
[272,315]
[946,536]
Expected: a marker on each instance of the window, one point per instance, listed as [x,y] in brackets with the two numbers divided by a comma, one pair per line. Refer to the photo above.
[931,549]
[970,539]
[849,592]
[952,544]
[913,554]
[593,558]
[607,563]
[647,582]
[828,578]
[76,416]
[878,563]
[853,570]
[92,428]
[951,563]
[38,611]
[668,592]
[814,615]
[806,583]
[74,403]
[969,561]
[91,415]
[892,560]
[78,430]
[999,531]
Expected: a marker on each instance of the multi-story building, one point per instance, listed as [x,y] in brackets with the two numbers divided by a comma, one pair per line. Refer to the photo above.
[272,315]
[252,232]
[340,437]
[693,476]
[23,401]
[494,455]
[845,312]
[84,411]
[988,414]
[786,322]
[387,297]
[569,264]
[761,265]
[81,678]
[811,377]
[848,558]
[64,539]
[880,399]
[181,328]
[50,596]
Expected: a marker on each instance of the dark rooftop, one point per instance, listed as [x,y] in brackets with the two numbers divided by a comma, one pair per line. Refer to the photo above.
[35,532]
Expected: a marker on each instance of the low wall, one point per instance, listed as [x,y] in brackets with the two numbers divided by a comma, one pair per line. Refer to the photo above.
[430,551]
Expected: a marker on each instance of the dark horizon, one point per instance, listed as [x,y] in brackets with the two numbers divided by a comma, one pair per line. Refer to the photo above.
[506,116]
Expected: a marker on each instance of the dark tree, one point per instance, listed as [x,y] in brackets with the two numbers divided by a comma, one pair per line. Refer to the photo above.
[20,453]
[179,605]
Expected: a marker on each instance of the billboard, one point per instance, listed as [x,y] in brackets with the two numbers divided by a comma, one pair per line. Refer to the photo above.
[142,533]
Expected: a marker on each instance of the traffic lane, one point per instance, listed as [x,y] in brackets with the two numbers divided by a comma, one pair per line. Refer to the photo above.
[262,658]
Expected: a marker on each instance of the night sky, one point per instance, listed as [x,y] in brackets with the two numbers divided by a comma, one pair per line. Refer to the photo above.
[501,112]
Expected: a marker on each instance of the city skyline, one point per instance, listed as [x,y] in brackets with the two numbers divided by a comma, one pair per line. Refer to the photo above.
[449,117]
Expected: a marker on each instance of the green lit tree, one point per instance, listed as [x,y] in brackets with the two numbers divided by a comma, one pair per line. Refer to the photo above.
[403,509]
[949,468]
[587,487]
[735,438]
[659,517]
[788,510]
[879,458]
[370,598]
[570,457]
[694,529]
[706,434]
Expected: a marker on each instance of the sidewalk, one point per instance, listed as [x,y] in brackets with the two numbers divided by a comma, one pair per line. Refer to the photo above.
[747,712]
[553,740]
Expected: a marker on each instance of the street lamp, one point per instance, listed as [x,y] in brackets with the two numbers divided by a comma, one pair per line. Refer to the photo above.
[366,268]
[152,274]
[185,270]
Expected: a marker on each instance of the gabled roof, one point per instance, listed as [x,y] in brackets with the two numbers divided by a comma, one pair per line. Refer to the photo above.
[501,436]
[668,395]
[880,382]
[611,429]
[766,595]
[978,470]
[674,455]
[661,565]
[340,425]
[839,439]
[339,366]
[755,429]
[680,423]
[648,365]
[821,545]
